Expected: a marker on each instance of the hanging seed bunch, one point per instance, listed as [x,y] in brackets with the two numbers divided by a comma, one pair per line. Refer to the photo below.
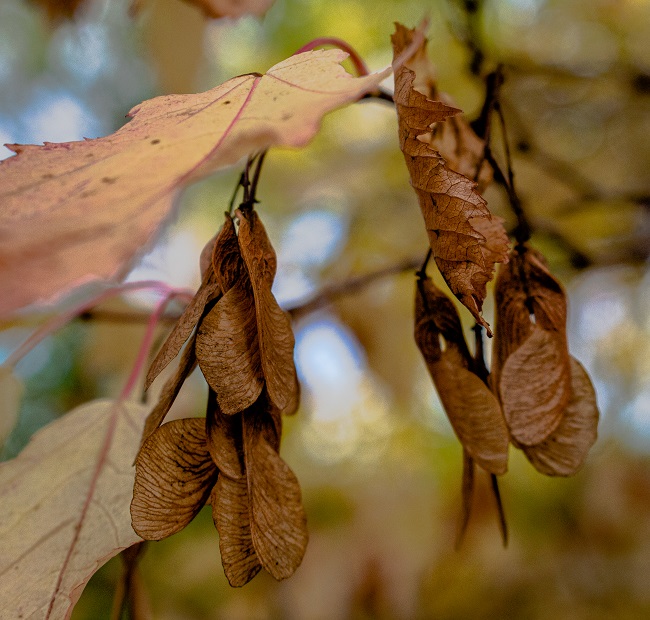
[538,397]
[548,401]
[242,341]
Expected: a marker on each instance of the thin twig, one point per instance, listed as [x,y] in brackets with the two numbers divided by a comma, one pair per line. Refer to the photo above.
[351,286]
[381,94]
[421,273]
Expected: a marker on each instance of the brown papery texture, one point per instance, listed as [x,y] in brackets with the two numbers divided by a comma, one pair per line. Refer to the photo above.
[278,520]
[565,450]
[225,439]
[525,286]
[454,138]
[226,257]
[535,386]
[208,291]
[173,479]
[466,242]
[232,518]
[228,350]
[276,340]
[472,409]
[531,370]
[171,389]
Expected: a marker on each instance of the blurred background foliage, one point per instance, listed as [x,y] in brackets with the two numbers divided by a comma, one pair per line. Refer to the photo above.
[377,460]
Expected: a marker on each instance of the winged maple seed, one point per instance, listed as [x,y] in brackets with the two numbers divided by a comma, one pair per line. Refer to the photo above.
[548,400]
[243,344]
[472,409]
[466,240]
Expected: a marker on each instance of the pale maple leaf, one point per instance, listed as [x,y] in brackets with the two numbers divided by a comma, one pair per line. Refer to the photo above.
[81,211]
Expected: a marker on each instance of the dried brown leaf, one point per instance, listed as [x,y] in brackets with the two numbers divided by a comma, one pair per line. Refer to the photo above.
[463,151]
[80,211]
[454,139]
[64,507]
[535,386]
[208,291]
[276,340]
[174,477]
[278,520]
[227,347]
[465,241]
[472,409]
[171,389]
[564,451]
[231,515]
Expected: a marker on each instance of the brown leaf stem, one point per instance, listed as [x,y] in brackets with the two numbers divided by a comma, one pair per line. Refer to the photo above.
[355,58]
[503,524]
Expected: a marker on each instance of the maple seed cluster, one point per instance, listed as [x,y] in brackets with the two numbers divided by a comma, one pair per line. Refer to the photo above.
[243,344]
[538,397]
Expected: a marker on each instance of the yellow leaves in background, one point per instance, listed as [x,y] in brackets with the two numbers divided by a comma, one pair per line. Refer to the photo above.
[465,239]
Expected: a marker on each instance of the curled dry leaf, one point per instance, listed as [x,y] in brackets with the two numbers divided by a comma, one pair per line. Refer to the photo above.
[174,477]
[276,340]
[80,211]
[455,140]
[64,507]
[535,386]
[472,409]
[465,240]
[278,520]
[564,451]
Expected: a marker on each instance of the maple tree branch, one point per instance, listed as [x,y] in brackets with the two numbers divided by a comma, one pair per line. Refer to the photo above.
[325,296]
[233,198]
[523,229]
[351,286]
[381,94]
[422,272]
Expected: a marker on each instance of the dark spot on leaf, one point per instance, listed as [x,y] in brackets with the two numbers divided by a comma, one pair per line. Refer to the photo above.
[155,141]
[226,102]
[286,116]
[109,180]
[47,175]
